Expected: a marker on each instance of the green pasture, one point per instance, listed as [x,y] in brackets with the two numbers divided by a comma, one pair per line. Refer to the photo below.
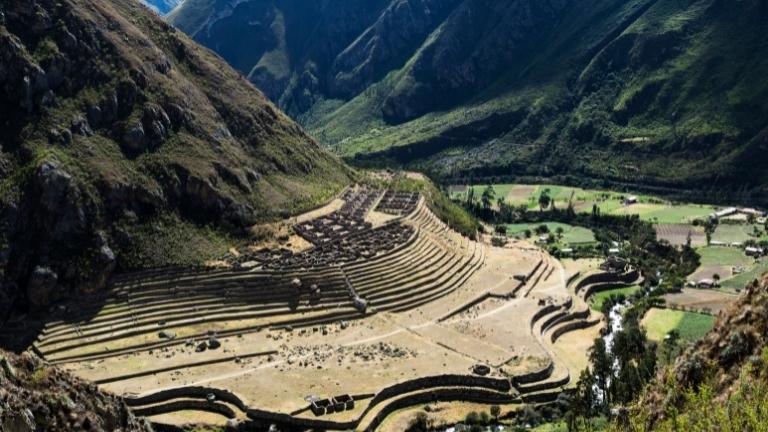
[691,326]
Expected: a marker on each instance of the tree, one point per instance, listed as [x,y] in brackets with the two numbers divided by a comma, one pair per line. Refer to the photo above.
[544,199]
[488,196]
[472,418]
[559,232]
[495,412]
[603,369]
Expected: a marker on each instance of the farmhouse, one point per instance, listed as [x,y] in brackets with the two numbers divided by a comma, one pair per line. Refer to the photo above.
[707,283]
[631,200]
[754,251]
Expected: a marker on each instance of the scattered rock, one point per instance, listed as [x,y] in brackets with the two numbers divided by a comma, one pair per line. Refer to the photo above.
[167,335]
[213,343]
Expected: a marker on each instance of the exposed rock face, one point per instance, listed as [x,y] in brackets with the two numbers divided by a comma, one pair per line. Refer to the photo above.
[37,397]
[110,119]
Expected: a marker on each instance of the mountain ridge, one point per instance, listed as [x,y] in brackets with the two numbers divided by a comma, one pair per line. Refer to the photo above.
[603,89]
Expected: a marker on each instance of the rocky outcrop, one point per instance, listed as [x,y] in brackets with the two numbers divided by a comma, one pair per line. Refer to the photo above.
[36,397]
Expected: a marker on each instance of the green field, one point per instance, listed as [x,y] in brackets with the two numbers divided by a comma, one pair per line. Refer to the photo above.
[691,326]
[723,256]
[572,235]
[596,301]
[649,208]
[730,233]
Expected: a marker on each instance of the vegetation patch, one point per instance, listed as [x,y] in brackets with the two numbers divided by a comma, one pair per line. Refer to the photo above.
[169,241]
[563,233]
[691,326]
[597,300]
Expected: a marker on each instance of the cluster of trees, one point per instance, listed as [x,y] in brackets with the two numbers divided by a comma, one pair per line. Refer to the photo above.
[616,376]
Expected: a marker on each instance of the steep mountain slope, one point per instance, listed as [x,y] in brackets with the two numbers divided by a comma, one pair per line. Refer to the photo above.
[661,92]
[119,133]
[162,6]
[38,397]
[719,384]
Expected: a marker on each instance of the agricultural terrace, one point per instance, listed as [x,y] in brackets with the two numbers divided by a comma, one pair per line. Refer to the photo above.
[691,326]
[383,308]
[648,207]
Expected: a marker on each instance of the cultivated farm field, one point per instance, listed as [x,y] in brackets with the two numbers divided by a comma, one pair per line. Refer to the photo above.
[691,326]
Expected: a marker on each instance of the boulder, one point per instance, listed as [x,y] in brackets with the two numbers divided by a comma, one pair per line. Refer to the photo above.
[166,335]
[133,139]
[41,288]
[80,126]
[360,304]
[213,343]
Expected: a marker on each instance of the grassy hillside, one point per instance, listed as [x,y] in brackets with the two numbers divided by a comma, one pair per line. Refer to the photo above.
[116,125]
[659,92]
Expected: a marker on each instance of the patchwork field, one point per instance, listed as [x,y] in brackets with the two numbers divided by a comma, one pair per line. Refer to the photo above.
[650,208]
[690,325]
[385,310]
[733,267]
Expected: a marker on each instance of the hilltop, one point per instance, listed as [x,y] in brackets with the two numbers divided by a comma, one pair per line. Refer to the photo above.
[126,145]
[656,92]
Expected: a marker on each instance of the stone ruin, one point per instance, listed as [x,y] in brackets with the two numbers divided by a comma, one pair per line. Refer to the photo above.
[398,203]
[335,404]
[349,219]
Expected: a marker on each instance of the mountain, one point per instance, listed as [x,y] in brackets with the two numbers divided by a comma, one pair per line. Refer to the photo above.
[38,397]
[126,145]
[162,6]
[661,92]
[719,384]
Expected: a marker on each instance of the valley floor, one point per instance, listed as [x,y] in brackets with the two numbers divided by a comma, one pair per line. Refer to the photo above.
[253,343]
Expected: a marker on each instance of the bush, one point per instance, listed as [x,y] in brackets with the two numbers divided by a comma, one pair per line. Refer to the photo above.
[419,424]
[472,418]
